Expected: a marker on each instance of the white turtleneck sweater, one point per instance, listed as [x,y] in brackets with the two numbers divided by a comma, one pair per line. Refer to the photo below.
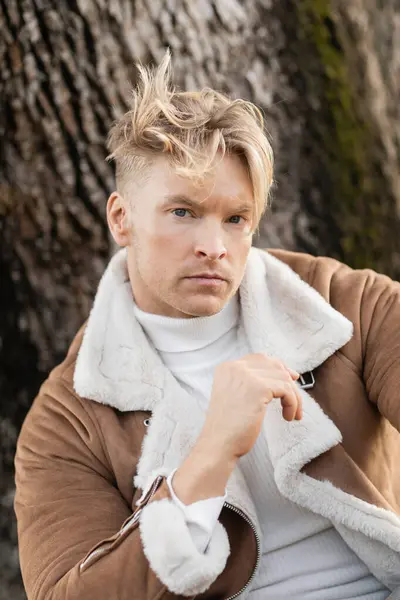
[303,556]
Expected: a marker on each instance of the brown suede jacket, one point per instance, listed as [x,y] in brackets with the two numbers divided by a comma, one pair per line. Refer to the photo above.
[95,518]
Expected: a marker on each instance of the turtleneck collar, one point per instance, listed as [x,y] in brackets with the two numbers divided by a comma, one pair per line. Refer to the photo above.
[180,335]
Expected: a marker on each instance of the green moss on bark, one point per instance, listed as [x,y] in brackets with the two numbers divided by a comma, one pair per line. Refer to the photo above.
[360,208]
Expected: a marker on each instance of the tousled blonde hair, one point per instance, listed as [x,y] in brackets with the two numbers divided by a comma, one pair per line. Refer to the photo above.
[192,129]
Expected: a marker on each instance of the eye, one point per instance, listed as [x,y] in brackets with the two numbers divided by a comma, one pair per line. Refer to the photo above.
[236,219]
[180,212]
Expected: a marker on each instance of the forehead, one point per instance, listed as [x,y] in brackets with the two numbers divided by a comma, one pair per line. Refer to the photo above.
[230,181]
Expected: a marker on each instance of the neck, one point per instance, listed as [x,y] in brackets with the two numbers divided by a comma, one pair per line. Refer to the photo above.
[180,334]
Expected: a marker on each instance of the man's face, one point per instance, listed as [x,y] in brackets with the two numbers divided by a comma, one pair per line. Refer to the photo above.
[189,244]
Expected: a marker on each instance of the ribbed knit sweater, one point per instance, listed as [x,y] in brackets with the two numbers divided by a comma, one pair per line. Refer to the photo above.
[303,556]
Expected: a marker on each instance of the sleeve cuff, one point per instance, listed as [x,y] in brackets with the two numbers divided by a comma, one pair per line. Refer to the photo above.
[172,554]
[201,517]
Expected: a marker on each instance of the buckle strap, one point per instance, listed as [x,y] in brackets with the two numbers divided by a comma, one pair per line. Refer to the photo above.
[307,380]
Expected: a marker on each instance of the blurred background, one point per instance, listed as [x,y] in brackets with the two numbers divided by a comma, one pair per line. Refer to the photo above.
[325,73]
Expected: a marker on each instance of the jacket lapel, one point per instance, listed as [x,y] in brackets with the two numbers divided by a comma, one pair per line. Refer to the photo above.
[287,318]
[116,365]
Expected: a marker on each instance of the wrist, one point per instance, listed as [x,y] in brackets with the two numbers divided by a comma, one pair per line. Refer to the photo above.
[204,474]
[214,457]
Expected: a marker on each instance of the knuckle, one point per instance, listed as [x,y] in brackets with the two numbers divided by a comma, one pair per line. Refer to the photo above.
[265,387]
[268,393]
[240,365]
[279,364]
[287,377]
[224,367]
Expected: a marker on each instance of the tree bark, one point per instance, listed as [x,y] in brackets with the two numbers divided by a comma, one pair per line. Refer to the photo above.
[327,76]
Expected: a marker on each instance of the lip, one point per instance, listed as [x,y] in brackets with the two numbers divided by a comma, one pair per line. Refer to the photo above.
[207,282]
[212,276]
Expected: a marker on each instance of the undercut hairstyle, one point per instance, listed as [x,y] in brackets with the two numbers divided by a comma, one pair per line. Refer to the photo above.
[193,130]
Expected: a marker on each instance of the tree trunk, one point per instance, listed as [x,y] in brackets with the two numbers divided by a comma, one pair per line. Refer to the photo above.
[326,75]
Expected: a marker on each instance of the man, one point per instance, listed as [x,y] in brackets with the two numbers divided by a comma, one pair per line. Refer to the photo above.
[226,424]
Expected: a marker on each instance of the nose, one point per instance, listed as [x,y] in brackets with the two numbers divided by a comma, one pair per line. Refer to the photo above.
[209,243]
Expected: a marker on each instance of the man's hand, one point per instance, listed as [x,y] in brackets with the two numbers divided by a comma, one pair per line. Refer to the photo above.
[240,394]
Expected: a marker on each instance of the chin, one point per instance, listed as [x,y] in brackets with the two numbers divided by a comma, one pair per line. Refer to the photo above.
[204,307]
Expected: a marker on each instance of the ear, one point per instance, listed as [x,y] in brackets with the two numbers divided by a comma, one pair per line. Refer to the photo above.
[118,218]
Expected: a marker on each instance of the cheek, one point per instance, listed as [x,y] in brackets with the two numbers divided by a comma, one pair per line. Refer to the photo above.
[170,238]
[163,249]
[241,254]
[239,246]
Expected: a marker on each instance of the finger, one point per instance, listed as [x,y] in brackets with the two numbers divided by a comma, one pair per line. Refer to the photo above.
[286,391]
[299,409]
[299,412]
[262,361]
[289,406]
[294,374]
[270,371]
[296,408]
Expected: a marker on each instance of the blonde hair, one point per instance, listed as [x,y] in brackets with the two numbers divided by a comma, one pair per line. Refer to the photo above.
[191,129]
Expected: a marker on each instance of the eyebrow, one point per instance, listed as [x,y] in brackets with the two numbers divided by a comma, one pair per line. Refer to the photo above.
[182,199]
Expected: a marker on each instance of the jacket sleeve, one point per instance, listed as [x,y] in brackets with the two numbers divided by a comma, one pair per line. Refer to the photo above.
[380,335]
[78,537]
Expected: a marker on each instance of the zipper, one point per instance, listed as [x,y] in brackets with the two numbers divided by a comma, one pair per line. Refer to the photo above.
[249,522]
[133,519]
[93,555]
[153,488]
[141,503]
